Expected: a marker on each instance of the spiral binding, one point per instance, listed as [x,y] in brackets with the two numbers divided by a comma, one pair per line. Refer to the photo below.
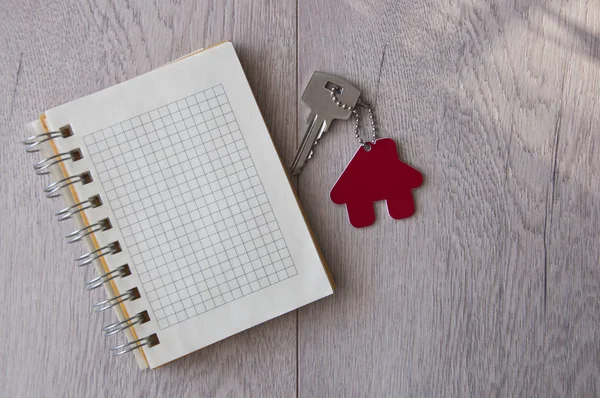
[88,258]
[76,236]
[149,341]
[103,305]
[70,211]
[117,327]
[32,143]
[98,281]
[53,190]
[41,167]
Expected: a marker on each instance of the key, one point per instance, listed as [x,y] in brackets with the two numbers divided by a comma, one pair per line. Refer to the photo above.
[317,95]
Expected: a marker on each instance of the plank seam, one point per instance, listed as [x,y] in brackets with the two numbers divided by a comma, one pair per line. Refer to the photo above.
[550,203]
[14,92]
[297,186]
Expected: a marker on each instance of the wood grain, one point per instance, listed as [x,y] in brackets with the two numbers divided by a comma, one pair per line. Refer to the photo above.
[484,292]
[491,289]
[52,53]
[572,339]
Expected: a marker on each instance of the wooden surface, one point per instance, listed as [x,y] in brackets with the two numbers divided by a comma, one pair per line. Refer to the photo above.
[492,289]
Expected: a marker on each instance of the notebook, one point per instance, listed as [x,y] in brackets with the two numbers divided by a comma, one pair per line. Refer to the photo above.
[185,208]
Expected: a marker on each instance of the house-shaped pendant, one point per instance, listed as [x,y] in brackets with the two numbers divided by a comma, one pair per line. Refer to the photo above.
[373,175]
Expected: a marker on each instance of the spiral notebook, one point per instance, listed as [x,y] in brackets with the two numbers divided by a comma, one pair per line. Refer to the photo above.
[183,203]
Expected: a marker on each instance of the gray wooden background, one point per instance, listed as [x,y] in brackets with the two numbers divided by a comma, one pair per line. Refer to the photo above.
[492,289]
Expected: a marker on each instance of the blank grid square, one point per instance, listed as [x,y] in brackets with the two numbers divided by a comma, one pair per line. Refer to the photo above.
[191,207]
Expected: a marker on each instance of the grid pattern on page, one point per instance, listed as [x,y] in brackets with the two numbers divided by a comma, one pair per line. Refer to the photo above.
[190,205]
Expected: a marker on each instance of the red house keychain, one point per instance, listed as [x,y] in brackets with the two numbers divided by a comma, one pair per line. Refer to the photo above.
[375,173]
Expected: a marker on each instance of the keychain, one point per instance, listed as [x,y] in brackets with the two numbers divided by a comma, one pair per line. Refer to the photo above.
[375,172]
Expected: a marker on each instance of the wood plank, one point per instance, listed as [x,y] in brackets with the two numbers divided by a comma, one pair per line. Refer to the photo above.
[479,294]
[573,307]
[52,53]
[491,289]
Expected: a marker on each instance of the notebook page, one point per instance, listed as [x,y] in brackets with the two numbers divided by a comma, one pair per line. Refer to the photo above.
[199,200]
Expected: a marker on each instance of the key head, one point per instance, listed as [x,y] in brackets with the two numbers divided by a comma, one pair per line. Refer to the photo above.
[317,95]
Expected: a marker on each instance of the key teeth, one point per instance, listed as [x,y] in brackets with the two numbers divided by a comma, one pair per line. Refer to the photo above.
[310,154]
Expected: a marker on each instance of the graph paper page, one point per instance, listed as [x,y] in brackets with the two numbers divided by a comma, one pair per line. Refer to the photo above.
[198,200]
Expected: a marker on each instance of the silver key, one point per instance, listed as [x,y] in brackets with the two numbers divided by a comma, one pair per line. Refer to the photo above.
[317,95]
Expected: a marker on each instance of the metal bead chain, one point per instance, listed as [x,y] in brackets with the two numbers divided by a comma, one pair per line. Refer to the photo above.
[356,114]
